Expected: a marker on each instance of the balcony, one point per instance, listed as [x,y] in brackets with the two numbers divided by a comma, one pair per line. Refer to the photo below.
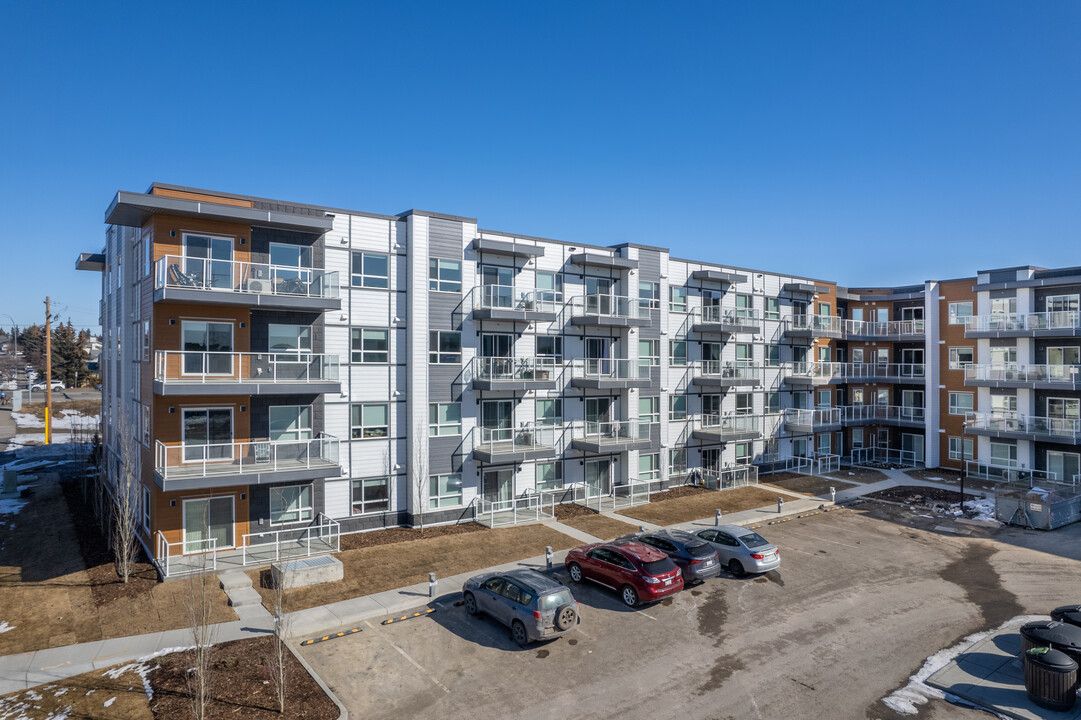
[812,421]
[515,374]
[528,442]
[728,427]
[716,319]
[899,415]
[814,326]
[1066,431]
[1005,472]
[183,372]
[234,282]
[714,373]
[815,373]
[502,302]
[1066,323]
[610,374]
[615,436]
[913,373]
[194,467]
[889,330]
[1012,375]
[610,311]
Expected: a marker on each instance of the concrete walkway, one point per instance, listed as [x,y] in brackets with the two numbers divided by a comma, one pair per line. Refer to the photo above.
[18,672]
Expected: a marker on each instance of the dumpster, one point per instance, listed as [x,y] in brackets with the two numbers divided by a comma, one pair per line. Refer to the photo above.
[1069,614]
[1050,678]
[1052,634]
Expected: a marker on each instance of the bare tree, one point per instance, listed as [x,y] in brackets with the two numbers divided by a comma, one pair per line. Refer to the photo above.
[198,603]
[277,662]
[124,500]
[418,472]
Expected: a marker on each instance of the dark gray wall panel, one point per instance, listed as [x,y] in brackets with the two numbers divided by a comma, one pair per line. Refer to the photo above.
[260,413]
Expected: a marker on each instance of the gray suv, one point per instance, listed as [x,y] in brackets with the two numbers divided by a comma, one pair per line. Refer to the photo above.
[533,605]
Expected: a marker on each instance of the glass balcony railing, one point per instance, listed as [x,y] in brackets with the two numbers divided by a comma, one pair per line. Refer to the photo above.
[187,273]
[223,368]
[812,418]
[881,413]
[817,324]
[1066,429]
[505,297]
[612,306]
[613,431]
[718,315]
[883,329]
[516,368]
[731,423]
[1014,372]
[1005,471]
[528,437]
[1069,320]
[611,369]
[729,370]
[234,458]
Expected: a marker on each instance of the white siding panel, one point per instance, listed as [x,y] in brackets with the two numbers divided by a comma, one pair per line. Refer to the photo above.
[336,498]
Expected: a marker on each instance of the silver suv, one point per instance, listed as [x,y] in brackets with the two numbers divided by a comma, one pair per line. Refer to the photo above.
[533,605]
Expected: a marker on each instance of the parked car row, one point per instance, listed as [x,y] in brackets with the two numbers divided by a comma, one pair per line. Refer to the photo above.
[642,568]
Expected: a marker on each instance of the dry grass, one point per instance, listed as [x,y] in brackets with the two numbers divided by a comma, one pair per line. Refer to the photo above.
[81,696]
[53,597]
[948,477]
[386,567]
[702,505]
[810,485]
[859,474]
[84,407]
[600,526]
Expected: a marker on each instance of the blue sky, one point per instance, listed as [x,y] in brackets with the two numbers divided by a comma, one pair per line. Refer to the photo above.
[863,142]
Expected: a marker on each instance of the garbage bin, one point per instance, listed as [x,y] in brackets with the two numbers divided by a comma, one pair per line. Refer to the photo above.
[1052,634]
[1051,678]
[1069,614]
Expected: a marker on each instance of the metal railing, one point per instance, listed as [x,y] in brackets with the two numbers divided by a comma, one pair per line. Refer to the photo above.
[731,423]
[881,413]
[526,437]
[883,329]
[823,463]
[292,543]
[617,306]
[1064,428]
[812,418]
[883,371]
[516,368]
[165,561]
[529,507]
[1014,372]
[635,492]
[729,370]
[188,273]
[883,455]
[611,369]
[816,323]
[1024,322]
[505,297]
[716,314]
[1009,472]
[189,366]
[613,431]
[730,477]
[183,460]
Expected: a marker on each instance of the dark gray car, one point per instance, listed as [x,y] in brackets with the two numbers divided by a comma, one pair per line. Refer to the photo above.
[531,604]
[742,550]
[695,557]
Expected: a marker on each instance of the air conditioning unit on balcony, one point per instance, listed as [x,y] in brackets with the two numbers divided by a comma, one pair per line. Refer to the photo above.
[258,286]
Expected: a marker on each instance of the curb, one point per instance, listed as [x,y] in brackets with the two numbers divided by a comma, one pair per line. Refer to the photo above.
[343,714]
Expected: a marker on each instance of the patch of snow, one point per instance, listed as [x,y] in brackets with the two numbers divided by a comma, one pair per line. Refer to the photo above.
[4,627]
[39,438]
[142,668]
[63,420]
[918,692]
[933,478]
[110,701]
[11,506]
[60,692]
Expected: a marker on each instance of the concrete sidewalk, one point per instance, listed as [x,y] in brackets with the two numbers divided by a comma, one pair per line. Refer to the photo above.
[18,672]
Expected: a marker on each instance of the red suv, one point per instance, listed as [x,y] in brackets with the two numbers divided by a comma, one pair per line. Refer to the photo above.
[638,572]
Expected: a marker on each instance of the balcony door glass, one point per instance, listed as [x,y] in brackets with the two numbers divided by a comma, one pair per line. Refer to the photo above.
[598,411]
[207,434]
[1064,408]
[283,258]
[1004,356]
[207,347]
[912,313]
[290,423]
[911,403]
[498,485]
[598,356]
[1066,466]
[208,261]
[498,286]
[208,524]
[1004,404]
[599,295]
[1000,306]
[598,477]
[498,417]
[912,362]
[1064,356]
[914,444]
[711,405]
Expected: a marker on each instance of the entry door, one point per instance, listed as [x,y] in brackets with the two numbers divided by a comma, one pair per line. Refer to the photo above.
[208,524]
[914,444]
[498,417]
[498,485]
[598,477]
[1066,466]
[912,362]
[598,356]
[711,459]
[208,261]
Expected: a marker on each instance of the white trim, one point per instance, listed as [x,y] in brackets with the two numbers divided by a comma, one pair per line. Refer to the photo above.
[184,531]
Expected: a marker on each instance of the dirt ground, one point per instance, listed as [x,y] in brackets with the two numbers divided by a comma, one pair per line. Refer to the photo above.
[588,521]
[92,695]
[354,541]
[810,485]
[85,407]
[858,474]
[58,585]
[917,495]
[385,567]
[949,477]
[701,505]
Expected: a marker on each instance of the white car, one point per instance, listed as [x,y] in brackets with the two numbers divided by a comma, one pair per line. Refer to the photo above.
[57,385]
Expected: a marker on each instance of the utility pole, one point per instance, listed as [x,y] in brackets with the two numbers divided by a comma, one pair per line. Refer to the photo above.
[48,372]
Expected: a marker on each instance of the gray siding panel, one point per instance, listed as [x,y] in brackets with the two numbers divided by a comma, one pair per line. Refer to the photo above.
[445,384]
[444,311]
[445,239]
[445,455]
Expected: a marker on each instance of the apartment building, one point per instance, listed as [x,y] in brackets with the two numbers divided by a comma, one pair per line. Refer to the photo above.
[295,371]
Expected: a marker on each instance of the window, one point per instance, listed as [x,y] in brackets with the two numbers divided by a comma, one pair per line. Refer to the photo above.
[370,421]
[370,345]
[677,299]
[1062,408]
[744,355]
[882,396]
[1004,404]
[773,355]
[290,423]
[773,308]
[649,410]
[649,353]
[677,407]
[744,454]
[549,411]
[677,461]
[857,437]
[1001,306]
[825,399]
[857,396]
[824,444]
[882,355]
[445,347]
[444,419]
[289,338]
[146,425]
[677,352]
[958,311]
[207,347]
[290,504]
[825,309]
[445,275]
[550,346]
[824,354]
[960,448]
[1003,454]
[857,355]
[1064,355]
[444,491]
[650,294]
[744,403]
[1062,303]
[960,403]
[551,283]
[370,495]
[207,434]
[773,402]
[146,340]
[146,509]
[649,467]
[370,270]
[960,357]
[549,475]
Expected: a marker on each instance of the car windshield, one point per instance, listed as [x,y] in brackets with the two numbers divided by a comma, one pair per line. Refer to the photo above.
[554,599]
[700,550]
[753,540]
[659,567]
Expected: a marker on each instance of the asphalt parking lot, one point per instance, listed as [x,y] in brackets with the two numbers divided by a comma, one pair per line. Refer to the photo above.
[862,598]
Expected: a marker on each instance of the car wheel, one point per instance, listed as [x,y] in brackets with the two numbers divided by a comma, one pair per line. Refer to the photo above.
[517,631]
[470,603]
[566,617]
[576,572]
[629,595]
[736,568]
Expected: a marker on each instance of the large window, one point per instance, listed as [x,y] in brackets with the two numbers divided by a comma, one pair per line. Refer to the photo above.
[549,411]
[289,338]
[370,495]
[445,347]
[550,346]
[773,308]
[677,462]
[773,402]
[650,294]
[649,410]
[290,504]
[960,357]
[744,452]
[1062,303]
[444,419]
[677,352]
[146,425]
[1064,355]
[649,353]
[444,491]
[958,311]
[649,467]
[370,421]
[207,434]
[677,407]
[960,448]
[549,475]
[1003,454]
[370,345]
[290,423]
[370,270]
[960,403]
[550,283]
[773,355]
[445,275]
[207,347]
[677,299]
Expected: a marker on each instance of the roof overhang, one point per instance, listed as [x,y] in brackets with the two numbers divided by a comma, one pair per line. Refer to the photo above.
[134,209]
[94,262]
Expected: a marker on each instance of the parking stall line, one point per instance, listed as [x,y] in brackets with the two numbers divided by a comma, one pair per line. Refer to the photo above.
[417,665]
[640,612]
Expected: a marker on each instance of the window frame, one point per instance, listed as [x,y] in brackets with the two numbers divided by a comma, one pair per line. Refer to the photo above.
[653,473]
[363,275]
[440,428]
[955,362]
[354,426]
[146,509]
[361,356]
[952,408]
[300,511]
[674,304]
[653,299]
[542,420]
[436,356]
[952,315]
[438,500]
[557,479]
[675,359]
[775,312]
[436,282]
[364,502]
[653,414]
[674,414]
